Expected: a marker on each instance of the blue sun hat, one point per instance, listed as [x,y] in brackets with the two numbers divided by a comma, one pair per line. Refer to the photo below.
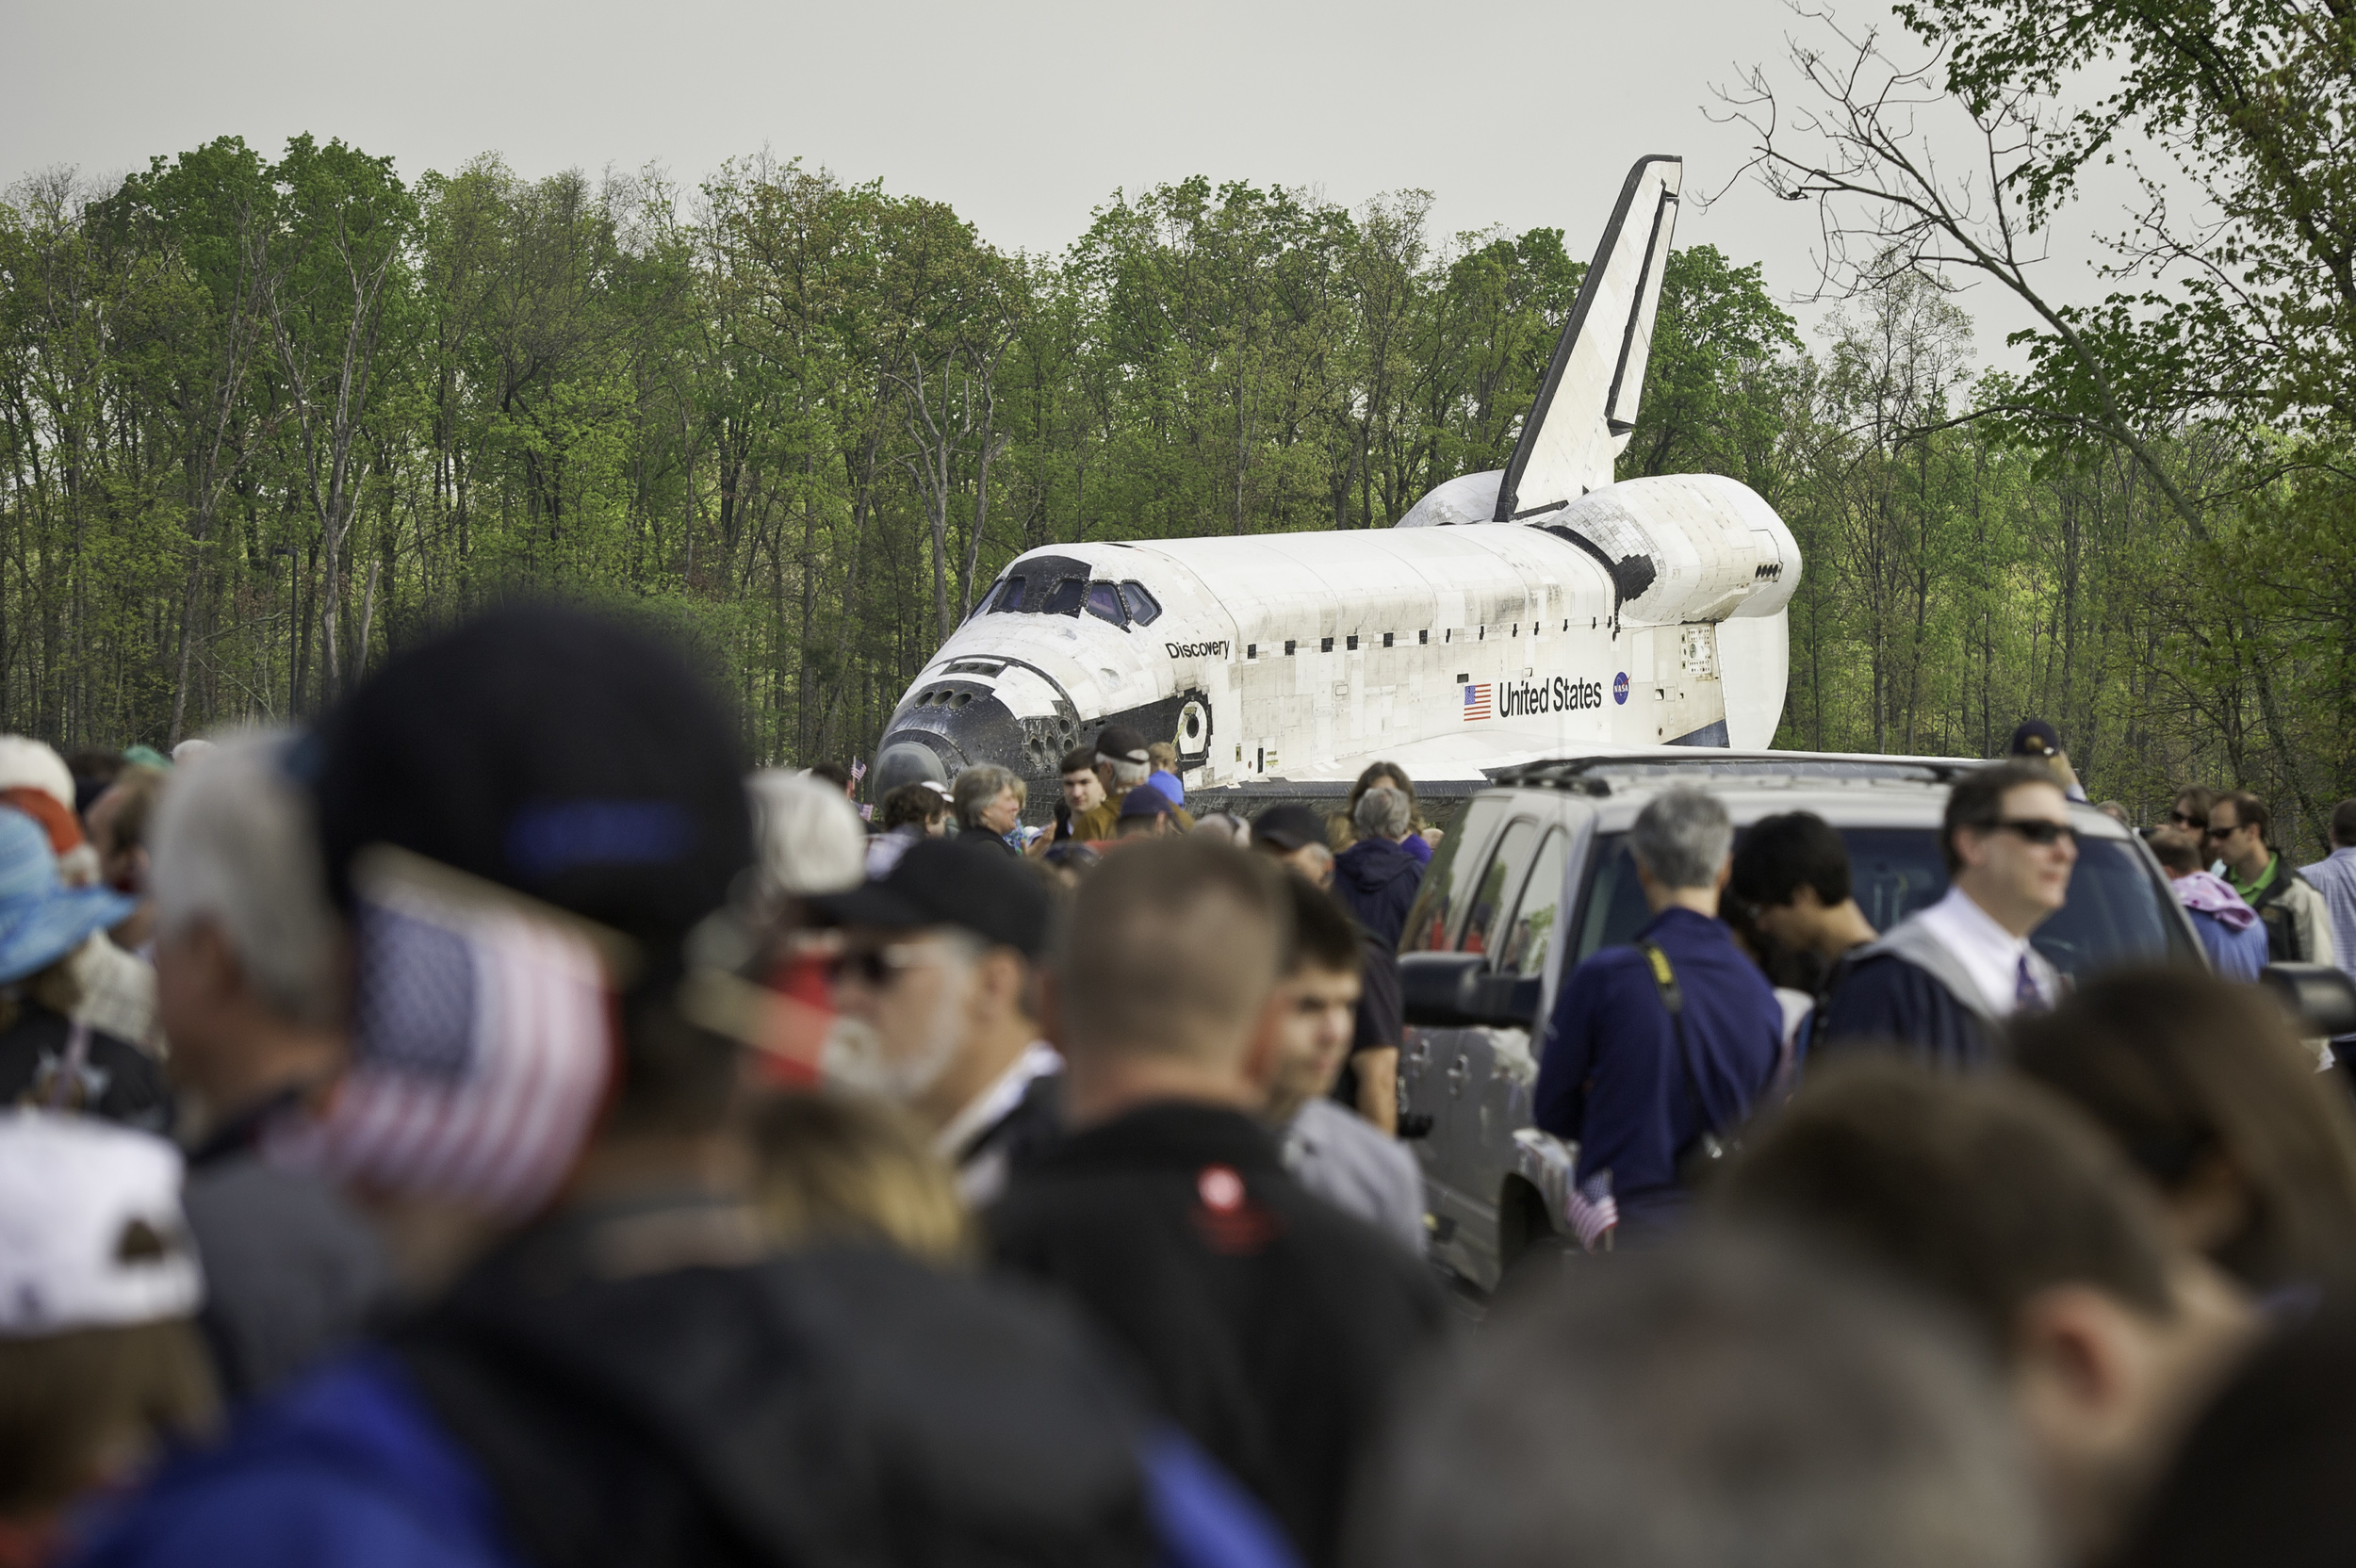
[41,920]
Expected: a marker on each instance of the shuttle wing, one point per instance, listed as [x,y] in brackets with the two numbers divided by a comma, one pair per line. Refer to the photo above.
[1587,405]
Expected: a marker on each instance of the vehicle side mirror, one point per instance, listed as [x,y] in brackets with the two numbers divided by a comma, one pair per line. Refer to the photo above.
[2321,999]
[1454,991]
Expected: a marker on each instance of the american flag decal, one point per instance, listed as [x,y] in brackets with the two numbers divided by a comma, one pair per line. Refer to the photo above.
[1480,702]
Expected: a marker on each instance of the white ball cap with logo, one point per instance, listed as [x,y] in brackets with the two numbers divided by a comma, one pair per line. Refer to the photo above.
[92,1232]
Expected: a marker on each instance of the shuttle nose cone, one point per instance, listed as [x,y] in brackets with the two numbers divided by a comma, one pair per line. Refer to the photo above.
[907,762]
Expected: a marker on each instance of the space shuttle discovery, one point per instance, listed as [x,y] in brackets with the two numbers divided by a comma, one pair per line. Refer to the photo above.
[1506,616]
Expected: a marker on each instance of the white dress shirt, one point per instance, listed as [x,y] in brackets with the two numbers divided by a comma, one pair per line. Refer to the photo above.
[981,1178]
[1989,953]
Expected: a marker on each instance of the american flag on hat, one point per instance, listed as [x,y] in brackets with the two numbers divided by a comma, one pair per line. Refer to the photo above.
[483,1043]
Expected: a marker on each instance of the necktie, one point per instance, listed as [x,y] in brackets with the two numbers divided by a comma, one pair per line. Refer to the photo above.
[2025,996]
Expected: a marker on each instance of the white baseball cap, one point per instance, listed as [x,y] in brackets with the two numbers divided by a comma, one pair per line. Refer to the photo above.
[91,1234]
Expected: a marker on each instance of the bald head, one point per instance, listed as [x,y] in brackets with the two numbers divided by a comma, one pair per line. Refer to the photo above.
[1171,951]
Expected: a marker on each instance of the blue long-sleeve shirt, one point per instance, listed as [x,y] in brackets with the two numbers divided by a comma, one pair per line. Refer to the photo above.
[1610,1077]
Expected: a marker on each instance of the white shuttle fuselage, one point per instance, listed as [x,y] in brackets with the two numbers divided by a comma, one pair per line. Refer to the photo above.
[1508,616]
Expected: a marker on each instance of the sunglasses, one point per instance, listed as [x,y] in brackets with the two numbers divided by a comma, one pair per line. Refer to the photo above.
[2184,819]
[876,968]
[2220,832]
[2038,830]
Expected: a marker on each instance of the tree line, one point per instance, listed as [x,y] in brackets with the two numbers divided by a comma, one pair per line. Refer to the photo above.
[265,421]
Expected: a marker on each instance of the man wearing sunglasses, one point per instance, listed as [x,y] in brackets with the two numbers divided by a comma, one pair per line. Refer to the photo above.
[1941,983]
[2298,926]
[938,987]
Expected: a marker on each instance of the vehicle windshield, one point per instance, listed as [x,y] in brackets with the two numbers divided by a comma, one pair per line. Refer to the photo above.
[2114,915]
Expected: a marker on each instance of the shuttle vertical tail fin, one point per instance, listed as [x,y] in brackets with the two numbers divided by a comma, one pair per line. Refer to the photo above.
[1587,405]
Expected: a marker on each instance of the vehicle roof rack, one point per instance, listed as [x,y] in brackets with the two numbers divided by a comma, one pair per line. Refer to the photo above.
[1589,775]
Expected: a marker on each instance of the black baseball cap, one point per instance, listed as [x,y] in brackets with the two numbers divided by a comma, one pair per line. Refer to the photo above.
[1121,745]
[1288,827]
[564,754]
[940,882]
[2035,739]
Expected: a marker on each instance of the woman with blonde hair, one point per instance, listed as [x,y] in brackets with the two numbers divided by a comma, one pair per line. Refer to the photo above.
[839,1169]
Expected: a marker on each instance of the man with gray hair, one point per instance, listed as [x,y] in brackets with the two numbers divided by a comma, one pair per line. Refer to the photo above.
[1657,1051]
[1702,1407]
[1377,877]
[249,995]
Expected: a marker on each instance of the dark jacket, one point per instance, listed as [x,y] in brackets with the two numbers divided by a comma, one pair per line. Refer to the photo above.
[1611,1077]
[1267,1325]
[564,1410]
[106,1077]
[1907,991]
[292,1272]
[1377,880]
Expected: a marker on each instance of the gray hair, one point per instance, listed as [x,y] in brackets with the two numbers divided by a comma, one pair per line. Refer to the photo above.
[1382,812]
[1723,1404]
[1682,837]
[1126,774]
[234,846]
[809,836]
[980,784]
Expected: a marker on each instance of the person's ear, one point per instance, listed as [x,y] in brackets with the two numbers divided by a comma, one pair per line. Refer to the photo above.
[1726,873]
[1263,1055]
[2081,1362]
[999,980]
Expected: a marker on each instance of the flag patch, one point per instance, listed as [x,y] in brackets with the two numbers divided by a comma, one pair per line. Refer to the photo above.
[1480,702]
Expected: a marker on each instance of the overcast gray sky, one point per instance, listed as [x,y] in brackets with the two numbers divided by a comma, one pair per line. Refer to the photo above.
[1022,116]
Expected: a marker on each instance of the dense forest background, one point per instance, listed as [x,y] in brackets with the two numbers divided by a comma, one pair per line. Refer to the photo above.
[265,418]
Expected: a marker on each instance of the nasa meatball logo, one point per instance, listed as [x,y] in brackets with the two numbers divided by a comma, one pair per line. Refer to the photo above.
[1619,687]
[1563,695]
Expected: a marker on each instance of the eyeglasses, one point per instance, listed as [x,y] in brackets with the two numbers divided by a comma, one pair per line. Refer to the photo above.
[2185,819]
[2225,832]
[2039,831]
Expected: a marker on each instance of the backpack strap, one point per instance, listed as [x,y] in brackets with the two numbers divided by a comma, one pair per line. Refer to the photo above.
[1665,979]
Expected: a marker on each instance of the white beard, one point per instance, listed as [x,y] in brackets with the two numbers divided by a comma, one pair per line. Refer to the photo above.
[855,1057]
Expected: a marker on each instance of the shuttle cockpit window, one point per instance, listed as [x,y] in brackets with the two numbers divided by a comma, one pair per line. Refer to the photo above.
[1144,608]
[1066,597]
[1010,596]
[1104,603]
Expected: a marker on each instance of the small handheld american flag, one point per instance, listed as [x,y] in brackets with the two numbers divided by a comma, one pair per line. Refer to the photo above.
[1591,1212]
[1480,702]
[482,1043]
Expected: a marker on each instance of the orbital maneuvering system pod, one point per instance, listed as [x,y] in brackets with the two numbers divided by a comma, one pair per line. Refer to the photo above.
[1506,618]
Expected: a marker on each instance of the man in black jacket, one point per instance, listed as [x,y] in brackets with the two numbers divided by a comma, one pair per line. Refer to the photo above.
[1267,1325]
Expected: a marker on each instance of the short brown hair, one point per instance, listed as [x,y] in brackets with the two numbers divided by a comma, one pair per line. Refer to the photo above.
[1172,947]
[1078,759]
[912,805]
[2343,824]
[1980,1191]
[1161,754]
[2176,850]
[1977,801]
[1324,936]
[2181,1068]
[2249,811]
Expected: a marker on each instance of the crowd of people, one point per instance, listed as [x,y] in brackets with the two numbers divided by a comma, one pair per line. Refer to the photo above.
[494,1128]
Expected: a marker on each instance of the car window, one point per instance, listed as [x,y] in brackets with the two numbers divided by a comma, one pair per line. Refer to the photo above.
[1525,948]
[1498,883]
[1446,882]
[1143,606]
[2114,915]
